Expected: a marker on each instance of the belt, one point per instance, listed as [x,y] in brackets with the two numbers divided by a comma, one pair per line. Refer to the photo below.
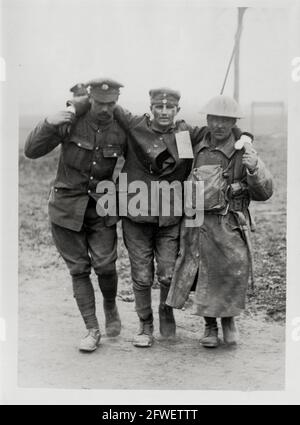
[239,204]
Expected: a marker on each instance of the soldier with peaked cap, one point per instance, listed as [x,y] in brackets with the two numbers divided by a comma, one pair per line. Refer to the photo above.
[153,157]
[88,155]
[216,256]
[79,90]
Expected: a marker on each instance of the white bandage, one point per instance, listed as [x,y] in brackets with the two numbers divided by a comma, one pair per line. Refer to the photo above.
[239,144]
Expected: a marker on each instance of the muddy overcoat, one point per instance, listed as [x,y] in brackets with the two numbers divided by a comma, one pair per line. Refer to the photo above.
[215,255]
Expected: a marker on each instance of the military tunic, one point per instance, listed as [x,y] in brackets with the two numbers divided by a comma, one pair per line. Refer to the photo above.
[216,254]
[88,155]
[152,157]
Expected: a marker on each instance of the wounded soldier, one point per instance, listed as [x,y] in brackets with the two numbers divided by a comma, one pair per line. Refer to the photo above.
[216,256]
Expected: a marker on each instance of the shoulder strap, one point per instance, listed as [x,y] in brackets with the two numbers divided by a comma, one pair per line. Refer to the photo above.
[231,162]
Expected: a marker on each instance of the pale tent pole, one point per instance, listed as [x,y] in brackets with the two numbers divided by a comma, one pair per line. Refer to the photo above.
[241,11]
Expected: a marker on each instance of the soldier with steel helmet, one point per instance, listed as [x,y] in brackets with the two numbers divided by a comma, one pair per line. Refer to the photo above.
[215,258]
[160,149]
[88,155]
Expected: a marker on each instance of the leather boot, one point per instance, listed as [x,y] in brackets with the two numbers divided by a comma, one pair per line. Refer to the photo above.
[230,331]
[144,337]
[210,338]
[91,341]
[167,325]
[112,319]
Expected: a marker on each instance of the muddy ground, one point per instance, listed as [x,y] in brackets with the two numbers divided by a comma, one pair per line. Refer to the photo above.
[50,326]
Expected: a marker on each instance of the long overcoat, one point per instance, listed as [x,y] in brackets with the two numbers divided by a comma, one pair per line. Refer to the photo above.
[215,256]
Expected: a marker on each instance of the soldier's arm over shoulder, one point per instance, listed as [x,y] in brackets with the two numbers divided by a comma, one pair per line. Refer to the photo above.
[197,134]
[260,182]
[125,118]
[42,140]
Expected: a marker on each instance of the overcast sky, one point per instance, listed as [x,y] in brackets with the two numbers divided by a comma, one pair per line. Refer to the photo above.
[144,44]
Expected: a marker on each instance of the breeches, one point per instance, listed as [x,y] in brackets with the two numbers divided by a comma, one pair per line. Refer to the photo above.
[95,245]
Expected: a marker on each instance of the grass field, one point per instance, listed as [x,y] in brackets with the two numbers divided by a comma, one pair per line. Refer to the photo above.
[269,240]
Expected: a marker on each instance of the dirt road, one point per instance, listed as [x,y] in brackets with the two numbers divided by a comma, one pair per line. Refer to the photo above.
[50,328]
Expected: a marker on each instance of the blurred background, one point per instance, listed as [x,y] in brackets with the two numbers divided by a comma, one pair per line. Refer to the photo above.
[144,44]
[181,44]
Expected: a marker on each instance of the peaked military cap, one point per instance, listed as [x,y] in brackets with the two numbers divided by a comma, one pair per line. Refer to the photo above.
[163,96]
[104,89]
[78,90]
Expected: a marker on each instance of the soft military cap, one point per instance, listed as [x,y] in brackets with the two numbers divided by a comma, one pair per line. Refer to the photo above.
[164,96]
[78,90]
[104,89]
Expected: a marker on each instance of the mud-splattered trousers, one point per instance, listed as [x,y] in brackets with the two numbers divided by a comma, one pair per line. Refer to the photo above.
[145,243]
[152,157]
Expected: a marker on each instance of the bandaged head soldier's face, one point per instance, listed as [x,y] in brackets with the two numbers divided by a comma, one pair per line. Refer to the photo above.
[220,127]
[164,115]
[103,95]
[164,107]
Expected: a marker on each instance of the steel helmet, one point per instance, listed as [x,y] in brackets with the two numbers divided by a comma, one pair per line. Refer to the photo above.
[224,106]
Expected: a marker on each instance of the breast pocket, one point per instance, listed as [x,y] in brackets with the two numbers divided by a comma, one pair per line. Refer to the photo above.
[78,154]
[112,151]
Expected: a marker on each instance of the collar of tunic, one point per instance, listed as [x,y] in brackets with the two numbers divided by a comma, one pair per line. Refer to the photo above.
[226,147]
[94,125]
[159,130]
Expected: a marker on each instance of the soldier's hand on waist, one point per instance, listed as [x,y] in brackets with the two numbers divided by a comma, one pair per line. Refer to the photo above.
[250,159]
[61,117]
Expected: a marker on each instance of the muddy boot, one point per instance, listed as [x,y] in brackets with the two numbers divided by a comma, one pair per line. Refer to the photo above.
[112,319]
[144,337]
[91,341]
[167,325]
[230,331]
[210,338]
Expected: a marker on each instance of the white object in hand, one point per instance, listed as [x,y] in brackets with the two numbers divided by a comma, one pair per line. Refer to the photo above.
[243,142]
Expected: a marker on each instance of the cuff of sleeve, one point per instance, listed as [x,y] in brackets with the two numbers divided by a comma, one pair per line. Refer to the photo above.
[258,175]
[49,126]
[252,173]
